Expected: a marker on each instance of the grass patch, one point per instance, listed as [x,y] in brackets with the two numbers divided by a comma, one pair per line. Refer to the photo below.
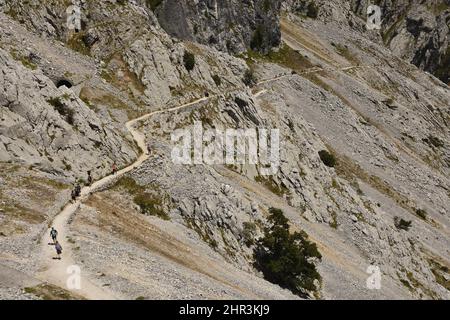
[76,43]
[422,214]
[23,214]
[148,203]
[26,61]
[438,271]
[272,186]
[346,53]
[285,56]
[51,292]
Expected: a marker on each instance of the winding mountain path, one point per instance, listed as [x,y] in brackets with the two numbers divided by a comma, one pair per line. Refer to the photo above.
[58,272]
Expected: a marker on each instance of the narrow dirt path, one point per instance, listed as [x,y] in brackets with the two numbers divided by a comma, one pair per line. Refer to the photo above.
[57,271]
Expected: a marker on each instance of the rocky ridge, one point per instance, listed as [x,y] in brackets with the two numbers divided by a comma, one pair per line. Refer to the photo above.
[386,126]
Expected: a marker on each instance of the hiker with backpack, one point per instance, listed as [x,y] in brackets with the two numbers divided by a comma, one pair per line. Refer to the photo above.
[76,192]
[74,195]
[54,235]
[58,248]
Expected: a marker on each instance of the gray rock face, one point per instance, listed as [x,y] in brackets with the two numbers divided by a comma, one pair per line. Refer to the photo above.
[51,128]
[417,32]
[385,121]
[228,25]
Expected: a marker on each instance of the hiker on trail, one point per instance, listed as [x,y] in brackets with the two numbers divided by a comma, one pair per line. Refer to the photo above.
[58,250]
[76,192]
[74,195]
[54,234]
[148,149]
[114,168]
[89,179]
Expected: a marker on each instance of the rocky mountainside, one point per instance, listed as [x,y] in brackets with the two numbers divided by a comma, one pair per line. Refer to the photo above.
[229,25]
[417,31]
[364,159]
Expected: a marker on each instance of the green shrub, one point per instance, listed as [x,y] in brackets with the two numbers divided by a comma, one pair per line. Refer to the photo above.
[327,158]
[153,4]
[249,78]
[402,224]
[434,141]
[249,233]
[217,80]
[312,11]
[258,38]
[287,259]
[422,214]
[62,109]
[189,60]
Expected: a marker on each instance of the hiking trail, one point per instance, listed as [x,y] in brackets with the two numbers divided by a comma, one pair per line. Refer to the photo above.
[57,272]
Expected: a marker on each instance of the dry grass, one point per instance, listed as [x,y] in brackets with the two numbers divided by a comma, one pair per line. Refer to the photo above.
[50,292]
[97,97]
[134,228]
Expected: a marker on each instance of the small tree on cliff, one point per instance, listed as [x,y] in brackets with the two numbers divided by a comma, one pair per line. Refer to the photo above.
[287,259]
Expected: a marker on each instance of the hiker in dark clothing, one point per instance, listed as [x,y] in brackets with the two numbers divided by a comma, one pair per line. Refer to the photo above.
[89,179]
[114,168]
[76,192]
[54,235]
[58,250]
[74,195]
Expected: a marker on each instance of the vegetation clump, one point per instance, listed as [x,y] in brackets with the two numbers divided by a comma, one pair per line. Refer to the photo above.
[148,203]
[248,233]
[153,4]
[287,259]
[189,60]
[258,39]
[249,78]
[217,80]
[312,11]
[62,109]
[402,224]
[422,214]
[327,158]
